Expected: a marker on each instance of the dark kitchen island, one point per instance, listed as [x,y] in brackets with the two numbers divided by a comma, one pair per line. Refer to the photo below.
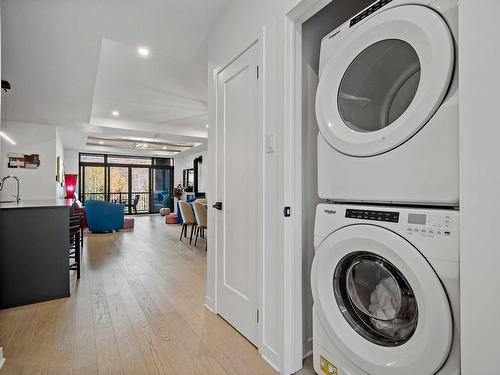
[34,250]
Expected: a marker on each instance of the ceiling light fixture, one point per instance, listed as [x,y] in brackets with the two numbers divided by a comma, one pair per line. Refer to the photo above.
[115,113]
[7,138]
[164,147]
[101,142]
[143,51]
[206,126]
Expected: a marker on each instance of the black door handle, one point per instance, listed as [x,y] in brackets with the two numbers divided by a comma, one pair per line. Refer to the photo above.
[217,206]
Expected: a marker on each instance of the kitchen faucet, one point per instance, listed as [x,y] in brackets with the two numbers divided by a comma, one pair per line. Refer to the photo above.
[2,182]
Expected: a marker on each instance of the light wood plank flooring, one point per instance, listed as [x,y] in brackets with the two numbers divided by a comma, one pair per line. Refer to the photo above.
[137,309]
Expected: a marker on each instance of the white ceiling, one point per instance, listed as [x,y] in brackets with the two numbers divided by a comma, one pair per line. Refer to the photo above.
[157,89]
[71,62]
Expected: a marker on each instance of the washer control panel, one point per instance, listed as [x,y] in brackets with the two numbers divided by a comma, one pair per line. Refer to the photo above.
[430,225]
[388,216]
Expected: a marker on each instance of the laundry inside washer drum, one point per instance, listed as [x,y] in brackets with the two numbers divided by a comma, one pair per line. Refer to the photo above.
[375,299]
[379,85]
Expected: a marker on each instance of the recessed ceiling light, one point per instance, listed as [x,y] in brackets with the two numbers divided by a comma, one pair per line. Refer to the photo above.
[143,51]
[206,126]
[101,142]
[164,147]
[115,113]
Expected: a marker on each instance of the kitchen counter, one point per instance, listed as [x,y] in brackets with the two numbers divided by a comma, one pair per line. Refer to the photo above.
[34,251]
[37,203]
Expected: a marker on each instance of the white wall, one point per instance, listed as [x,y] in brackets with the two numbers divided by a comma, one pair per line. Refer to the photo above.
[71,161]
[185,162]
[479,185]
[39,139]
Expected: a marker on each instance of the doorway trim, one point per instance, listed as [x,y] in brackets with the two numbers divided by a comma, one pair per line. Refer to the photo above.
[294,347]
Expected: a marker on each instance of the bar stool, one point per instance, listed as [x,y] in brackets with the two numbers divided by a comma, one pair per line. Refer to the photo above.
[75,230]
[78,214]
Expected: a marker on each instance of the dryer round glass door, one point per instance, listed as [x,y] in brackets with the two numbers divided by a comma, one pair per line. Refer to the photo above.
[384,80]
[380,302]
[379,85]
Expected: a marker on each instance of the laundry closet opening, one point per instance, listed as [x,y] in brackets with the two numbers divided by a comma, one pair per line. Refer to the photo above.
[313,30]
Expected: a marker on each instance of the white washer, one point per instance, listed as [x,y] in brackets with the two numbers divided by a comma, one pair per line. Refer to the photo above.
[385,283]
[387,105]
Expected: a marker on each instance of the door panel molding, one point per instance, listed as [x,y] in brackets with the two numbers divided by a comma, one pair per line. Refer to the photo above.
[231,80]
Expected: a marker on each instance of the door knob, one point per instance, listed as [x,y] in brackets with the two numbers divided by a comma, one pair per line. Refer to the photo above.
[217,205]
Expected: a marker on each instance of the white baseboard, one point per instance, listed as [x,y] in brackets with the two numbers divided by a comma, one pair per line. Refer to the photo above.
[270,363]
[2,359]
[209,303]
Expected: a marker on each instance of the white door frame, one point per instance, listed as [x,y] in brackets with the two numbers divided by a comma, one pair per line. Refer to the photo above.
[293,283]
[259,41]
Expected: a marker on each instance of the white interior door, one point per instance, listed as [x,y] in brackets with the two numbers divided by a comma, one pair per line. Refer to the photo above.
[239,181]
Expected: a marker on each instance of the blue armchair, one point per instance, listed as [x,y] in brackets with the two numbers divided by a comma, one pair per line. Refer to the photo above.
[104,216]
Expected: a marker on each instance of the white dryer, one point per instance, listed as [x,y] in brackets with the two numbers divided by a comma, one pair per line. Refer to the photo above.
[385,283]
[387,105]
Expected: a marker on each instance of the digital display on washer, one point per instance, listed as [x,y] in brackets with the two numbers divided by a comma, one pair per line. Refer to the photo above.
[392,217]
[418,219]
[371,9]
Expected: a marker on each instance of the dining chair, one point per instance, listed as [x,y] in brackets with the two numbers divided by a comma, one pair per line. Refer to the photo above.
[188,218]
[200,212]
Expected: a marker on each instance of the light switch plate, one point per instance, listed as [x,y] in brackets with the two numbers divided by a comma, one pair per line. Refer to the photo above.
[270,143]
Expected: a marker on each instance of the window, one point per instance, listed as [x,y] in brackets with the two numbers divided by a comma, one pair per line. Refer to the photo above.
[142,184]
[113,159]
[91,158]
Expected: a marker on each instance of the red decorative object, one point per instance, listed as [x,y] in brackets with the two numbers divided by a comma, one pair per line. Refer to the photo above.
[171,219]
[70,183]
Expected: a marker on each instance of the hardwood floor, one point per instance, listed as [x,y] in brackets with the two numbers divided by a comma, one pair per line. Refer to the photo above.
[137,309]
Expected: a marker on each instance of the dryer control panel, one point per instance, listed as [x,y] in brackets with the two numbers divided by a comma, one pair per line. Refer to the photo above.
[429,225]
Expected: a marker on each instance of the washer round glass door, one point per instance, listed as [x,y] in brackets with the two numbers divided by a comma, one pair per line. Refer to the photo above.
[384,80]
[380,302]
[375,299]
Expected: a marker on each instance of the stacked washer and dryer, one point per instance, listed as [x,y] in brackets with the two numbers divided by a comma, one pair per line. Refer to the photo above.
[385,277]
